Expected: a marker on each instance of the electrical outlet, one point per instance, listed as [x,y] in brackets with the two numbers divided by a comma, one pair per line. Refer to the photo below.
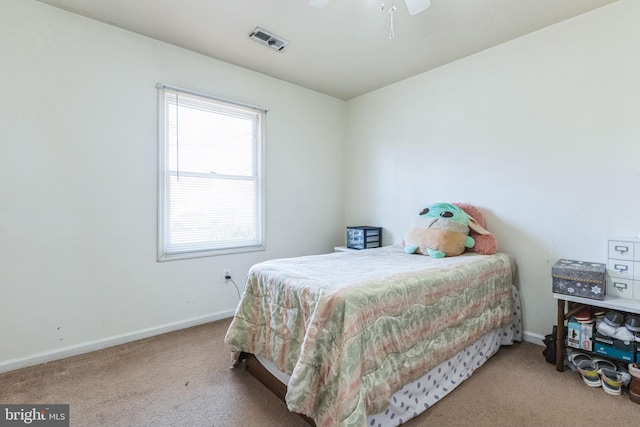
[226,274]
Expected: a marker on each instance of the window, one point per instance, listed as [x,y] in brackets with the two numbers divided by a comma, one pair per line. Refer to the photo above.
[211,193]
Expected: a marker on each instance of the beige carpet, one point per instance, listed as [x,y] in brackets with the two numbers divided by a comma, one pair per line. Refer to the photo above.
[183,379]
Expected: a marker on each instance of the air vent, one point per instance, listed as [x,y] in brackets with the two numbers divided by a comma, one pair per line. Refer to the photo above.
[268,39]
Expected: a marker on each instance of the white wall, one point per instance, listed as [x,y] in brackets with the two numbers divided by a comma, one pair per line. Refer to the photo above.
[78,185]
[542,133]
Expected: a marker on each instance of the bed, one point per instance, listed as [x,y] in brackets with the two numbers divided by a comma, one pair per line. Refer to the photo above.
[373,337]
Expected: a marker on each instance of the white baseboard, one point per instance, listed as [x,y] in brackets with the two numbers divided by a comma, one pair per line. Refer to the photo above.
[74,350]
[534,338]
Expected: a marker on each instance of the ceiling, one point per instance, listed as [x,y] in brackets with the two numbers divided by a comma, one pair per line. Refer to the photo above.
[343,49]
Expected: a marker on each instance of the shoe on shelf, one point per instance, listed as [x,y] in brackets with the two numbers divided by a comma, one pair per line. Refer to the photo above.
[599,314]
[633,323]
[584,316]
[613,318]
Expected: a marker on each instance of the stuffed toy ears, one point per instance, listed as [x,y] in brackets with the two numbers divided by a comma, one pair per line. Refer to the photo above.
[486,243]
[473,224]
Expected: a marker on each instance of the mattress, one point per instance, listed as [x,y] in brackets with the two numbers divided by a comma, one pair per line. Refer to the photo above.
[351,329]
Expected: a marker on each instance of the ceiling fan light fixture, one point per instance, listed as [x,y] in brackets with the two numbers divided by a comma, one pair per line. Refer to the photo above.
[417,6]
[414,6]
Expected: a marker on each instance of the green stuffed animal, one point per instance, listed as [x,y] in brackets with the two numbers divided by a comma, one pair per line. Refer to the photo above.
[442,230]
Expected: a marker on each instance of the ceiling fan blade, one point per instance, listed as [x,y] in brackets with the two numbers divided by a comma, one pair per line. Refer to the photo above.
[318,3]
[417,6]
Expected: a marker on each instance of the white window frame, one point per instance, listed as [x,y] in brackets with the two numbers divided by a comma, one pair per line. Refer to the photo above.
[166,249]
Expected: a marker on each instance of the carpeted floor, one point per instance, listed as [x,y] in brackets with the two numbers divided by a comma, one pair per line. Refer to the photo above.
[183,379]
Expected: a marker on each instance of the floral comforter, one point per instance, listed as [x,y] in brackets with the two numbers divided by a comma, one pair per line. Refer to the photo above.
[352,328]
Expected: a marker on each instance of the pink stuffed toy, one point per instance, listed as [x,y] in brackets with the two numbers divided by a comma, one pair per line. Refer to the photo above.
[486,243]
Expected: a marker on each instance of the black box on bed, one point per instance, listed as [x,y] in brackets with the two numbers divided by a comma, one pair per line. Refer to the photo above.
[579,278]
[364,237]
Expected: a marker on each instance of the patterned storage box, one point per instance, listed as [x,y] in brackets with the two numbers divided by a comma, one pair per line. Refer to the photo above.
[579,278]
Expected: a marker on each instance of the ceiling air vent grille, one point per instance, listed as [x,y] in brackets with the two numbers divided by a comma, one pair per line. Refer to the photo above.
[268,39]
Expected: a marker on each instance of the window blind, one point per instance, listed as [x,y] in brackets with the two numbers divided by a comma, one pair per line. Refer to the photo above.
[211,193]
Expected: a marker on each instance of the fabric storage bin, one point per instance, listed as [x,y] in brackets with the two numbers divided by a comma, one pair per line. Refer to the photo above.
[579,278]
